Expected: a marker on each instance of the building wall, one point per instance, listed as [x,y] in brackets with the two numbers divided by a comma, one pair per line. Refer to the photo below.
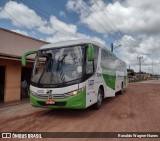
[14,45]
[12,88]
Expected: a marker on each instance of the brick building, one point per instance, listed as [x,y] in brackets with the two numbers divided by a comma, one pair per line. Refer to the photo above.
[12,46]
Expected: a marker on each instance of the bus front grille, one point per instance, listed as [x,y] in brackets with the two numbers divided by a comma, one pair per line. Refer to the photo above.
[53,96]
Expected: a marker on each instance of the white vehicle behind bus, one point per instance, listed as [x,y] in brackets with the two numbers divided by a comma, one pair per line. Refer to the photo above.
[75,74]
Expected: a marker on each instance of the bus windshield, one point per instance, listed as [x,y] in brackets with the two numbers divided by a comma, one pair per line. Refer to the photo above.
[58,66]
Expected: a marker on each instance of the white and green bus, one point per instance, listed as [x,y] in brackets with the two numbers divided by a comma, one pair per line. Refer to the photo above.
[75,74]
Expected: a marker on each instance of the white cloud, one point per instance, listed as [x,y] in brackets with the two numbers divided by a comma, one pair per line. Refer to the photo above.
[64,37]
[62,13]
[78,6]
[138,19]
[145,46]
[20,31]
[21,15]
[60,26]
[131,17]
[46,29]
[61,31]
[54,25]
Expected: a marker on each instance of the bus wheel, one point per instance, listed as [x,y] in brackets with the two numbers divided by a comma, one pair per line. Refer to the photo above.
[99,99]
[122,89]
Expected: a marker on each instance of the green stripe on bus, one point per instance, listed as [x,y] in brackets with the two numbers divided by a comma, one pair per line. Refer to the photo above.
[109,78]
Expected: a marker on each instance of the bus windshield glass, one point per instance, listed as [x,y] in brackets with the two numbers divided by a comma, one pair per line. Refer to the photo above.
[58,65]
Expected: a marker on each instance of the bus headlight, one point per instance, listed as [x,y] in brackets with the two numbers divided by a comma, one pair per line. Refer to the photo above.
[74,92]
[78,91]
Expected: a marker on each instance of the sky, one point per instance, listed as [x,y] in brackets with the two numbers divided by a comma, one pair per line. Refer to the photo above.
[133,24]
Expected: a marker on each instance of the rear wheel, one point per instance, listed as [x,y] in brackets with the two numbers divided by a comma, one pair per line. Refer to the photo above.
[122,89]
[99,99]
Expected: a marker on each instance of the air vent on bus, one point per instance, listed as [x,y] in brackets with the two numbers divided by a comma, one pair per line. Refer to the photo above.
[54,96]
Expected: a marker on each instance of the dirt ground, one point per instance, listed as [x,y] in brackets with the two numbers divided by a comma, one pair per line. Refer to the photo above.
[137,110]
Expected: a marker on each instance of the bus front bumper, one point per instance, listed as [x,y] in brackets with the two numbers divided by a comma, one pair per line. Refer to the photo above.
[74,102]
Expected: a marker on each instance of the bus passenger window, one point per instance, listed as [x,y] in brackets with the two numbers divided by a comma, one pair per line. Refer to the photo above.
[96,52]
[89,67]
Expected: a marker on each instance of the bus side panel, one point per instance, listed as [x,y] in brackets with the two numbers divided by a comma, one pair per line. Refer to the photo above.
[109,81]
[91,94]
[119,79]
[125,79]
[113,70]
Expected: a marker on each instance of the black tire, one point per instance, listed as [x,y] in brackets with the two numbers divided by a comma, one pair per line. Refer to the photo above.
[99,99]
[122,89]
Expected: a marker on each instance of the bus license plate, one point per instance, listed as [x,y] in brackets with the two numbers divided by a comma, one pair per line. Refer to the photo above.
[50,102]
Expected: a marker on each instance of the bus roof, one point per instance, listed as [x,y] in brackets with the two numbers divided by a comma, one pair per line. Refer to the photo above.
[74,42]
[69,43]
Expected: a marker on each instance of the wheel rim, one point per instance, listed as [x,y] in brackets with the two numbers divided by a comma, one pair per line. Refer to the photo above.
[99,99]
[122,88]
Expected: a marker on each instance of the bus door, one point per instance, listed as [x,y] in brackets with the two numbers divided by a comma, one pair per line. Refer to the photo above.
[90,84]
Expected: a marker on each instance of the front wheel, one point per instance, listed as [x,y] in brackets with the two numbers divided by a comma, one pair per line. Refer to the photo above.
[99,100]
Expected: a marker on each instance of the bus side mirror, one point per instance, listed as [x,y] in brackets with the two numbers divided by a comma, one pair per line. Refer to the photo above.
[23,58]
[90,52]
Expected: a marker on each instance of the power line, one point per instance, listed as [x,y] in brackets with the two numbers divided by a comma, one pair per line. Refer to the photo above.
[111,21]
[36,7]
[101,20]
[94,18]
[91,31]
[86,12]
[56,6]
[104,22]
[40,11]
[20,12]
[14,19]
[152,67]
[73,17]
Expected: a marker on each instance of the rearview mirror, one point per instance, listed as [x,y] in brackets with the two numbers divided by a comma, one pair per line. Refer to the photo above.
[90,52]
[23,58]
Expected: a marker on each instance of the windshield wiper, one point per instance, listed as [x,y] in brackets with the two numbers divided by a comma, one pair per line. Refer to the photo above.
[46,66]
[59,68]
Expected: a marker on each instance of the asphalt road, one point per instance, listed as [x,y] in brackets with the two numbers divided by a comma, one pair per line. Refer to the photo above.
[137,110]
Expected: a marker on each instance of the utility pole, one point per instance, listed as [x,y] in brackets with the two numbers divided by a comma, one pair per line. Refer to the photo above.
[112,47]
[152,68]
[129,74]
[139,59]
[148,70]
